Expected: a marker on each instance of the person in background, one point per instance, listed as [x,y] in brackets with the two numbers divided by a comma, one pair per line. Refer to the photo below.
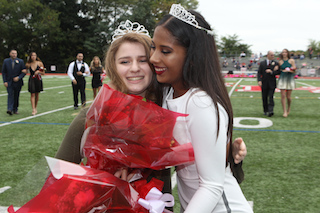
[186,62]
[13,71]
[286,81]
[97,70]
[77,72]
[310,51]
[35,86]
[268,69]
[242,54]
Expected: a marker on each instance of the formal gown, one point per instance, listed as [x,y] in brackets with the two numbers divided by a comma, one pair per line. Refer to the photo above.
[35,81]
[96,79]
[286,79]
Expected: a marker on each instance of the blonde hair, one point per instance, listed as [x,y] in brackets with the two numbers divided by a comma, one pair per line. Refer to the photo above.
[110,64]
[92,65]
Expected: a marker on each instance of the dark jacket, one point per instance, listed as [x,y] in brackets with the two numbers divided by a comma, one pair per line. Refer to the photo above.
[8,73]
[268,79]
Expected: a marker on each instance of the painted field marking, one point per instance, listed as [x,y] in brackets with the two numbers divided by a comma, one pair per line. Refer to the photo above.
[234,87]
[305,84]
[263,122]
[38,115]
[44,89]
[3,189]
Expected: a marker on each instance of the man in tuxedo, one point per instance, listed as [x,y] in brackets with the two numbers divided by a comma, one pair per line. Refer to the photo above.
[13,71]
[77,72]
[267,72]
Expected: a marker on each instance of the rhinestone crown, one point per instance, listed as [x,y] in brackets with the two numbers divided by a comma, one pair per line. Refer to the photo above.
[129,27]
[182,14]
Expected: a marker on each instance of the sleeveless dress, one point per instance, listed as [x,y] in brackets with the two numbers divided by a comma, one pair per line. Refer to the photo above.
[35,81]
[286,79]
[96,79]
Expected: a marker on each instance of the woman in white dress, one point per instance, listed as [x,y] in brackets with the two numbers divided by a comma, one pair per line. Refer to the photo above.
[186,62]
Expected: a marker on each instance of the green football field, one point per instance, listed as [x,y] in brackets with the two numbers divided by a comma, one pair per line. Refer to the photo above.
[282,167]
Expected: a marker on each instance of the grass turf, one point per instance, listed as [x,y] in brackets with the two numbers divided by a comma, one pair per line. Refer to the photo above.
[281,168]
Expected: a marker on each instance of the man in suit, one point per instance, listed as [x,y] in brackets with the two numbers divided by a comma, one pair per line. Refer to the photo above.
[77,72]
[13,71]
[267,72]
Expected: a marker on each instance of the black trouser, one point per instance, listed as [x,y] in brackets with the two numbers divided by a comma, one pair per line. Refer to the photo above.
[76,88]
[13,96]
[267,93]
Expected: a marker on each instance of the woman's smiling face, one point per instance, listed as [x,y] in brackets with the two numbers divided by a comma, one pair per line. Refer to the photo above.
[133,67]
[168,57]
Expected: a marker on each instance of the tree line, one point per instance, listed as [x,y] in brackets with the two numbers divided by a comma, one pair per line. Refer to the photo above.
[58,29]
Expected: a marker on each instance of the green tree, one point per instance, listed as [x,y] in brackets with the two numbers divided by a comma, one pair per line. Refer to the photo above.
[315,45]
[70,38]
[58,29]
[26,26]
[230,46]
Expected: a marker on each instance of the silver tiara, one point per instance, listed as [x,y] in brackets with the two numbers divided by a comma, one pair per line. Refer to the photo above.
[179,12]
[129,27]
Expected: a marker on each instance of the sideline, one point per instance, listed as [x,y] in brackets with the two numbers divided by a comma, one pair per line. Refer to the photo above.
[44,89]
[38,115]
[234,87]
[34,116]
[304,84]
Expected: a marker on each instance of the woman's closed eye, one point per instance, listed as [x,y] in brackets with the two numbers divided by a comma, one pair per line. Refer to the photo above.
[124,62]
[166,51]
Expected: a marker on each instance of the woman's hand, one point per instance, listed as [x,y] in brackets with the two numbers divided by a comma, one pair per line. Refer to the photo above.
[124,174]
[239,150]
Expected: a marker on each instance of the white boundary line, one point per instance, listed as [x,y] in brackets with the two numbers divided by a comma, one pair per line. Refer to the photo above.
[234,87]
[34,116]
[174,175]
[38,115]
[44,89]
[304,84]
[3,189]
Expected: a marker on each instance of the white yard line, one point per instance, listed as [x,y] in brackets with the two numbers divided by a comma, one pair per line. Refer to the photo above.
[304,84]
[234,87]
[38,115]
[34,116]
[44,89]
[3,189]
[3,209]
[173,180]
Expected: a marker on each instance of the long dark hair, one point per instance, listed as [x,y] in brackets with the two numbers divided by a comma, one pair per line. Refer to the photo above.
[202,68]
[288,54]
[28,64]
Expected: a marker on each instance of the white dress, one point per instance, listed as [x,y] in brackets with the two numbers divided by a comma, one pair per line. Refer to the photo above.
[207,185]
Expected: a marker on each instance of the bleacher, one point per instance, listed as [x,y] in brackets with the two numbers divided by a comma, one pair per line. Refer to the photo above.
[305,67]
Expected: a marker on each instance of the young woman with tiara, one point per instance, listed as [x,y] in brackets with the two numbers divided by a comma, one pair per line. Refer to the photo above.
[128,66]
[186,62]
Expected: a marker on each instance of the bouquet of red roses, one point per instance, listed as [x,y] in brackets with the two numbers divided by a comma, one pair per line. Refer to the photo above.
[75,188]
[125,131]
